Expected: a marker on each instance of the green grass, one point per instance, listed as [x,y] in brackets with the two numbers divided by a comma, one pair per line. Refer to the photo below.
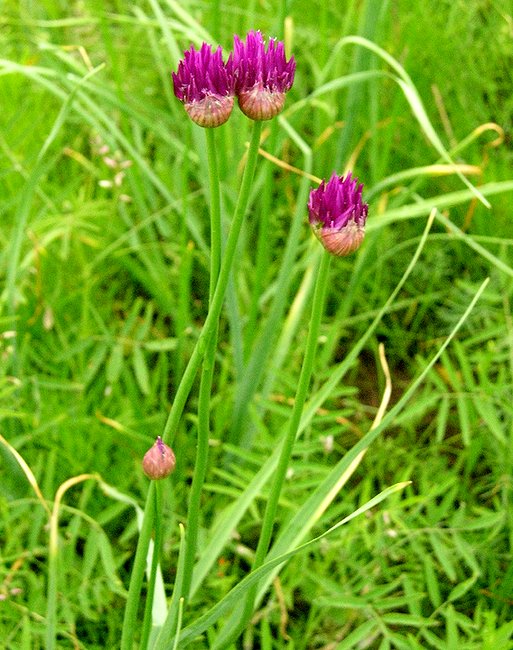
[104,290]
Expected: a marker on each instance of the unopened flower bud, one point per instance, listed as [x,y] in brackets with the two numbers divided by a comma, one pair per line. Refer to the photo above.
[262,75]
[338,214]
[159,461]
[205,86]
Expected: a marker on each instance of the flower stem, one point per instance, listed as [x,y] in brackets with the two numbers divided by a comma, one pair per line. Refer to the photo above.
[301,392]
[182,315]
[157,544]
[136,579]
[290,437]
[262,246]
[184,388]
[212,319]
[200,467]
[215,213]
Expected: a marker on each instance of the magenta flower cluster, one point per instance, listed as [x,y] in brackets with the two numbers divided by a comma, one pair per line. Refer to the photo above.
[205,85]
[338,214]
[259,77]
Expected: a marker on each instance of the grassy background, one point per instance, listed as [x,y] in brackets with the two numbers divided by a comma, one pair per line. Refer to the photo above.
[105,288]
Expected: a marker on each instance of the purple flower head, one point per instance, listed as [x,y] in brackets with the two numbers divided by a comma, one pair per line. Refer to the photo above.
[337,214]
[205,85]
[261,77]
[159,461]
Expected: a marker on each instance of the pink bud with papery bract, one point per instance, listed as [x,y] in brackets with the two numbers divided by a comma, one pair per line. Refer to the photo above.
[338,215]
[159,461]
[205,85]
[262,77]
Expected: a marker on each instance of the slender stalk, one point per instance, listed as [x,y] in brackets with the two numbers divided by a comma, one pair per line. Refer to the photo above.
[263,248]
[183,390]
[172,624]
[290,437]
[200,467]
[301,392]
[241,430]
[182,315]
[210,324]
[136,579]
[215,213]
[157,544]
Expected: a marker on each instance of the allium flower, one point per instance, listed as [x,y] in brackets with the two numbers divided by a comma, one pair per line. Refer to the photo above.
[337,214]
[261,77]
[205,85]
[159,461]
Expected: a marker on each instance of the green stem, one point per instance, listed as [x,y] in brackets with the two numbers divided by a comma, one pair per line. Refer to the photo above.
[301,392]
[211,321]
[136,579]
[263,248]
[241,430]
[183,315]
[290,437]
[157,544]
[207,374]
[183,390]
[215,213]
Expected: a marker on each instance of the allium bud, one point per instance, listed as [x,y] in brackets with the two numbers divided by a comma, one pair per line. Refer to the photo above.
[159,461]
[205,85]
[337,214]
[261,77]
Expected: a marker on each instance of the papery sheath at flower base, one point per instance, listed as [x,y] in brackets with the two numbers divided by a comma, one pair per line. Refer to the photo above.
[204,83]
[262,77]
[338,214]
[159,461]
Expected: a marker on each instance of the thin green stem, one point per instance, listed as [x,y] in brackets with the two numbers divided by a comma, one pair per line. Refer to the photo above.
[157,544]
[301,392]
[182,315]
[210,324]
[215,213]
[136,579]
[182,393]
[263,248]
[205,390]
[172,624]
[290,437]
[242,429]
